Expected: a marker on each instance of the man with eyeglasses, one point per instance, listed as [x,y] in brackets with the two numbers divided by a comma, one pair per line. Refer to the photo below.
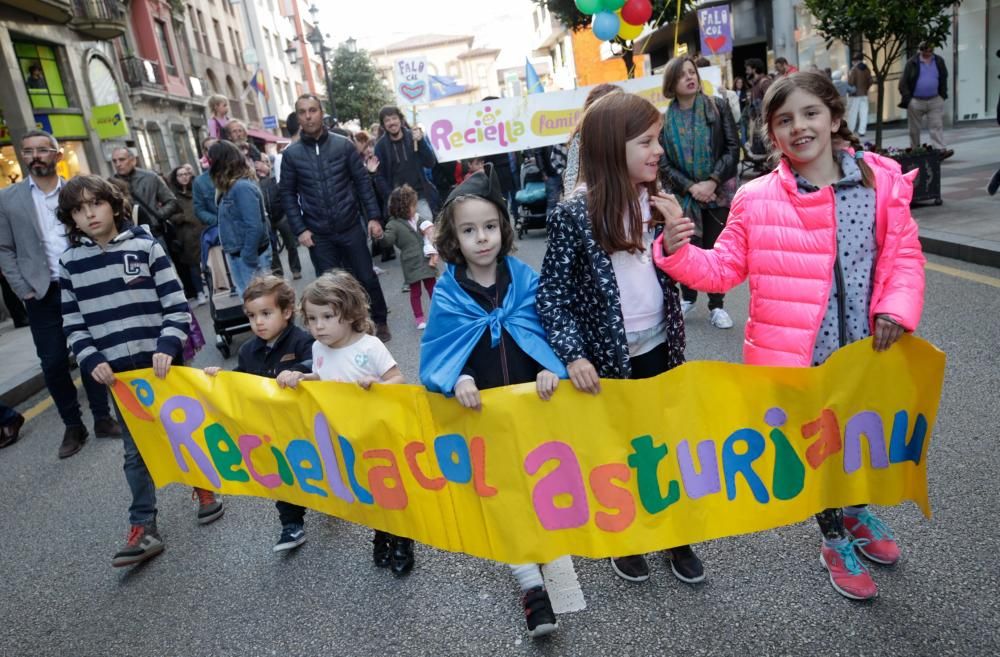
[31,241]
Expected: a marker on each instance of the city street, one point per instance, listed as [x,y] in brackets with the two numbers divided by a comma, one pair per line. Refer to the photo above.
[219,590]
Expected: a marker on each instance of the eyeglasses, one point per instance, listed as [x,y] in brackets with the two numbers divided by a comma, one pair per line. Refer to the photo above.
[31,152]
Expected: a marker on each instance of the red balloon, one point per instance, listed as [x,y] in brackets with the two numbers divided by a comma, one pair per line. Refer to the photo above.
[637,12]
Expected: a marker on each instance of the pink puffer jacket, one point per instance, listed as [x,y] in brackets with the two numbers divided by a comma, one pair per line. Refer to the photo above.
[786,242]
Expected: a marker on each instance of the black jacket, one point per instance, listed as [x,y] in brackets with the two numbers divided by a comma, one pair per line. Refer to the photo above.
[578,299]
[292,350]
[272,199]
[388,164]
[725,151]
[325,187]
[908,81]
[505,364]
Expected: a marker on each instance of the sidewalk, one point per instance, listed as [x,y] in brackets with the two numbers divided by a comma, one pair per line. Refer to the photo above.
[965,227]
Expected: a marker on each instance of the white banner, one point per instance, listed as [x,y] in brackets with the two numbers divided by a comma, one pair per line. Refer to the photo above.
[504,125]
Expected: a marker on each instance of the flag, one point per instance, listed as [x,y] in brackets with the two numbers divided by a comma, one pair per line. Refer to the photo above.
[443,86]
[531,76]
[259,83]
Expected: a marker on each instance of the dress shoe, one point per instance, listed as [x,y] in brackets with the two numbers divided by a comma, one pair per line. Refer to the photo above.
[382,332]
[10,433]
[73,440]
[107,427]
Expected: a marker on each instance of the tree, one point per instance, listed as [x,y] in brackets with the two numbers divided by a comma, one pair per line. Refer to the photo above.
[355,86]
[888,27]
[664,11]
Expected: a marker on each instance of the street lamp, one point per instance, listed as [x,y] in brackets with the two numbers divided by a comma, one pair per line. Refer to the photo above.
[318,43]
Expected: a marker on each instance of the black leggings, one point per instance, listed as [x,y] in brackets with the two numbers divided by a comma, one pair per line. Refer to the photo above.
[831,522]
[713,220]
[650,363]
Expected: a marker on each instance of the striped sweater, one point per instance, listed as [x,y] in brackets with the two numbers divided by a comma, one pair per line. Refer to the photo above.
[122,303]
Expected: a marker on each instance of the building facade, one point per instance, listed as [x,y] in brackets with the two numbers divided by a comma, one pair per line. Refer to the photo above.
[59,72]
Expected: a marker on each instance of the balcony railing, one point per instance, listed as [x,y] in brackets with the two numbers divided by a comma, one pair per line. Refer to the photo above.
[100,19]
[59,11]
[142,73]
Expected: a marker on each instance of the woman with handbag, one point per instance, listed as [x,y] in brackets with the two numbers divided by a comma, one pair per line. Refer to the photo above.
[243,229]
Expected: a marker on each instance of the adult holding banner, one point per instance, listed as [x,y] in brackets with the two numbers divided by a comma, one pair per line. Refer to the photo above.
[402,155]
[325,189]
[701,151]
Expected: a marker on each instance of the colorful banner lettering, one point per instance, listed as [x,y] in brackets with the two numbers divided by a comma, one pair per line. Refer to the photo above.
[512,124]
[707,450]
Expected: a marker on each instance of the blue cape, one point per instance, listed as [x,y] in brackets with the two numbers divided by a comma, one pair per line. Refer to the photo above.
[456,322]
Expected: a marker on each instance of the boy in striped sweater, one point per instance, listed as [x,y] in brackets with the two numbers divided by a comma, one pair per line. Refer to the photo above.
[123,309]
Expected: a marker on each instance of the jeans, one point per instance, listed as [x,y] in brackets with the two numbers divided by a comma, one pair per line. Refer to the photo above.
[713,220]
[291,248]
[349,251]
[290,514]
[7,415]
[142,510]
[243,273]
[46,320]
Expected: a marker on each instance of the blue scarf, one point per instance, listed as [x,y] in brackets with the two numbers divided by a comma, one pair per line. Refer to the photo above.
[456,322]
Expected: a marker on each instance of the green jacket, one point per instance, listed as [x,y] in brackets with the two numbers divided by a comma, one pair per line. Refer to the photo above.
[399,234]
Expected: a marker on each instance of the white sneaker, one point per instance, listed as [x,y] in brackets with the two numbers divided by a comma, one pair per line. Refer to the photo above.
[202,299]
[421,326]
[378,270]
[686,307]
[721,319]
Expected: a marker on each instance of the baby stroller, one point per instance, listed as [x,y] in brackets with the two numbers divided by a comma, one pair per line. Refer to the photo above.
[531,198]
[226,309]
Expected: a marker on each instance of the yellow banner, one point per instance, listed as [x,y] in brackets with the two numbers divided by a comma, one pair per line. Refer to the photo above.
[707,450]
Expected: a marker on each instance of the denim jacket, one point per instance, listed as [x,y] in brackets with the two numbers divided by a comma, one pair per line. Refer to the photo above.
[241,222]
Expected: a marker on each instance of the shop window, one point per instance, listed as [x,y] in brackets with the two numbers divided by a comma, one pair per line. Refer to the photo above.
[74,162]
[40,71]
[102,82]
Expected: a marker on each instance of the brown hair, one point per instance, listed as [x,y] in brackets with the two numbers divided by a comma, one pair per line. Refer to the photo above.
[672,73]
[362,137]
[595,94]
[402,201]
[446,237]
[71,199]
[815,84]
[262,286]
[228,165]
[606,126]
[342,292]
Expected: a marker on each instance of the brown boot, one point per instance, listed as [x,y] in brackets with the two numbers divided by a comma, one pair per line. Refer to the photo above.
[382,332]
[73,439]
[107,427]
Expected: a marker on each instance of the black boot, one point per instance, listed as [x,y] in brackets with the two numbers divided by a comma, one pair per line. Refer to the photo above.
[402,555]
[381,549]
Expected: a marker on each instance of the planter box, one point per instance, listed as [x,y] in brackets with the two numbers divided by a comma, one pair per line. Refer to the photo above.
[927,186]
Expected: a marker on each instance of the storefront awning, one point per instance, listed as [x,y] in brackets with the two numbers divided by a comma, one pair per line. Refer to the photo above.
[264,135]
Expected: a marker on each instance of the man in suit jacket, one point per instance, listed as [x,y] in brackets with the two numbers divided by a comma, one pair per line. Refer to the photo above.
[31,241]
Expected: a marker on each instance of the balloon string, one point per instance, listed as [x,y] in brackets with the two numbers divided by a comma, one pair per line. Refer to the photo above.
[677,25]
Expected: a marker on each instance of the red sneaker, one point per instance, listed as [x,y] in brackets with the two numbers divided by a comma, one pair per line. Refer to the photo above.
[880,546]
[848,575]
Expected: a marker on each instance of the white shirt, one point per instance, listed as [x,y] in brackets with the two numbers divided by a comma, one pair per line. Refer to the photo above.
[53,232]
[366,357]
[638,288]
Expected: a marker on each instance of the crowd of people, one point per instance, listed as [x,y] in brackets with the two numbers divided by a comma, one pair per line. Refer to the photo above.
[644,214]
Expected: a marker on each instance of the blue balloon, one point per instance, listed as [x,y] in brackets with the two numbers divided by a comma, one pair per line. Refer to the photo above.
[605,25]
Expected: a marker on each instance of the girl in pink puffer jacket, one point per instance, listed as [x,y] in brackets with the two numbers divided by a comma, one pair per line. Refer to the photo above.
[833,256]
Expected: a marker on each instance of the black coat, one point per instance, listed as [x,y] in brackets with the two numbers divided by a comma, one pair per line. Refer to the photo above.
[505,364]
[387,164]
[292,350]
[325,187]
[725,151]
[272,200]
[578,299]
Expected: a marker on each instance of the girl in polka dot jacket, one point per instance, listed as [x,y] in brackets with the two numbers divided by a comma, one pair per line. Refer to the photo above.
[833,257]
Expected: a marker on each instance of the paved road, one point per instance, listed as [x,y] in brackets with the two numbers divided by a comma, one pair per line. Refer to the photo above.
[219,590]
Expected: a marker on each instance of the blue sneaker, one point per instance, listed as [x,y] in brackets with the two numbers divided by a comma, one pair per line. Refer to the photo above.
[292,536]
